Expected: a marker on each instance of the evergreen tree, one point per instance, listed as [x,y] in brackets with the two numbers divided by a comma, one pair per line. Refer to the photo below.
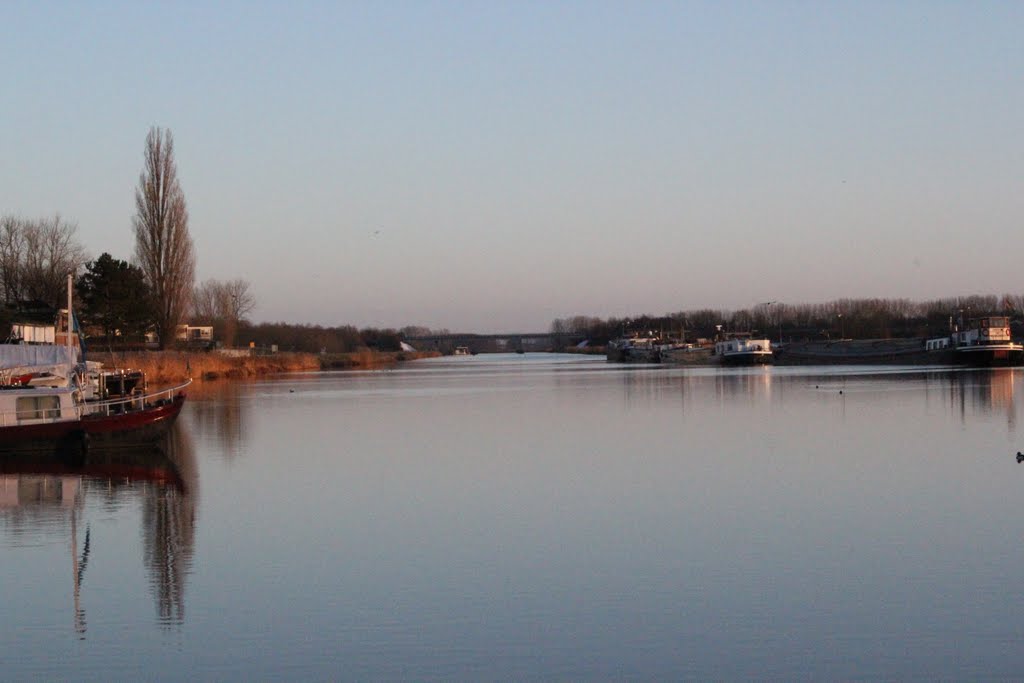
[115,297]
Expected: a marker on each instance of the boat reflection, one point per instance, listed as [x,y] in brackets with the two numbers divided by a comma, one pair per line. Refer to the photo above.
[42,495]
[753,384]
[645,386]
[985,391]
[965,393]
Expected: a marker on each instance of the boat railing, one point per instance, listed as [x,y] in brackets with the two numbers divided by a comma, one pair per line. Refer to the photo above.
[126,404]
[31,416]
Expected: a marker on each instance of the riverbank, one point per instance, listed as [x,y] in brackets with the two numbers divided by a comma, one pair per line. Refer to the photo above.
[162,367]
[585,350]
[370,360]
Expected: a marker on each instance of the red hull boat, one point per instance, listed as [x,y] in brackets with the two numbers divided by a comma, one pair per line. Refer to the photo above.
[51,420]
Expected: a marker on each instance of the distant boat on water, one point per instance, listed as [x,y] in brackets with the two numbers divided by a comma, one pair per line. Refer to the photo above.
[859,352]
[736,349]
[985,343]
[743,351]
[689,354]
[634,350]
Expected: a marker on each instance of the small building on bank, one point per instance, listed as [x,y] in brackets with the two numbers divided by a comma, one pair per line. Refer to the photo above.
[33,322]
[195,335]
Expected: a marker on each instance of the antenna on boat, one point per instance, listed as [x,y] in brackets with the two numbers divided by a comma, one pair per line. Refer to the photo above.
[68,340]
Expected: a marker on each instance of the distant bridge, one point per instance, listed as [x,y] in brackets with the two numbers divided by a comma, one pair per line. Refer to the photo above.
[495,343]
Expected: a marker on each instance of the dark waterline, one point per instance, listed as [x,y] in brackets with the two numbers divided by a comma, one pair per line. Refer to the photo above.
[538,517]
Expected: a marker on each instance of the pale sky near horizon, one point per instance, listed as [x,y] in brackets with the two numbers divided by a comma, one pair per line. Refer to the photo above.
[490,166]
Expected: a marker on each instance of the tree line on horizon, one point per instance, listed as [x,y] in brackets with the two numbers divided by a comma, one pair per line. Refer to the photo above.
[325,339]
[875,318]
[116,304]
[119,302]
[116,298]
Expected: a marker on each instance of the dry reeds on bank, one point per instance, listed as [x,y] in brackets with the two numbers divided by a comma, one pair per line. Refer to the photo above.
[177,366]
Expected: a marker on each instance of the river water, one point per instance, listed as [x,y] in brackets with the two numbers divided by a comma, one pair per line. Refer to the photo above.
[536,517]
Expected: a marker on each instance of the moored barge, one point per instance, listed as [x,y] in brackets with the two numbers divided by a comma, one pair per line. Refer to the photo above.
[986,343]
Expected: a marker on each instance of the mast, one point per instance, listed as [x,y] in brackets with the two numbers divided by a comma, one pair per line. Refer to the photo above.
[68,340]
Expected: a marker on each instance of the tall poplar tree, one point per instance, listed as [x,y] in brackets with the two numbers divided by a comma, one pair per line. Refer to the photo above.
[163,246]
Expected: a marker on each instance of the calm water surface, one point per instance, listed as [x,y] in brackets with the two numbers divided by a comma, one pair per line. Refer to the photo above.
[536,517]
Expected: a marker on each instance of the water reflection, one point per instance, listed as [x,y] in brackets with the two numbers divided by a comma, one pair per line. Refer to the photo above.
[754,384]
[42,496]
[963,393]
[986,391]
[168,529]
[648,386]
[978,393]
[219,413]
[444,519]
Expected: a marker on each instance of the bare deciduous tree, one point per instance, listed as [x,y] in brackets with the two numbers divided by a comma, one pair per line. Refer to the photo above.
[163,245]
[241,299]
[223,305]
[12,250]
[240,302]
[51,252]
[206,302]
[36,257]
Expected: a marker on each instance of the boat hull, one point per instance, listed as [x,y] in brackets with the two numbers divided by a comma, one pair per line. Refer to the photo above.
[128,429]
[615,355]
[862,352]
[643,355]
[898,352]
[698,356]
[753,358]
[633,355]
[990,356]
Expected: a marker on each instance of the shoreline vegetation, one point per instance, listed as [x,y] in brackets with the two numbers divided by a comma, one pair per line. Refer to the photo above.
[837,319]
[177,366]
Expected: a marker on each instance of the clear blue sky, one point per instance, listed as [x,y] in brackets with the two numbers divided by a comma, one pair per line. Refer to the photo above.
[490,166]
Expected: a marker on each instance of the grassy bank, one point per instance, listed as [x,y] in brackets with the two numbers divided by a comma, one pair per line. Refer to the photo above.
[173,366]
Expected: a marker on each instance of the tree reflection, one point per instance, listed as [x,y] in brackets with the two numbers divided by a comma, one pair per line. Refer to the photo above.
[41,495]
[219,413]
[168,529]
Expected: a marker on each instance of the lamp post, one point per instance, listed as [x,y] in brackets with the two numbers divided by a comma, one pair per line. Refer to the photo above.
[842,332]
